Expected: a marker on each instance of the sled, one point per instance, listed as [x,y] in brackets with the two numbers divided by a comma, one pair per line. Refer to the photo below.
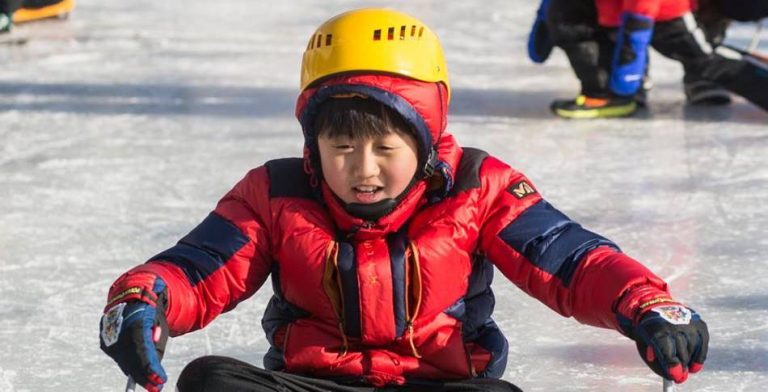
[59,10]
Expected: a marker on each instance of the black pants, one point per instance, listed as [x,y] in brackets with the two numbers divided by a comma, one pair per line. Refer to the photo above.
[573,27]
[10,6]
[214,373]
[740,75]
[744,10]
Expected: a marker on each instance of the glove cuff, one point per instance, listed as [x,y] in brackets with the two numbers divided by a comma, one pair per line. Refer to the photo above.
[636,301]
[138,286]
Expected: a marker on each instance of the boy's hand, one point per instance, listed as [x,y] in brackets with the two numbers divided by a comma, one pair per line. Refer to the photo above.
[133,330]
[672,340]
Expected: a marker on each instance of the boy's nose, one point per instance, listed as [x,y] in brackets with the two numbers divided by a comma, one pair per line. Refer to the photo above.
[367,165]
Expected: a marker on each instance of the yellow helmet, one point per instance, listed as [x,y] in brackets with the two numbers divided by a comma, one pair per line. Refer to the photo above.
[374,39]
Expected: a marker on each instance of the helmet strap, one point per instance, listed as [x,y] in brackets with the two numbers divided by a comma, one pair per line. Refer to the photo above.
[374,211]
[371,212]
[430,164]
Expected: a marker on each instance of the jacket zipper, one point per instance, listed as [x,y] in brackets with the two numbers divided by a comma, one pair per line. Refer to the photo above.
[337,303]
[413,273]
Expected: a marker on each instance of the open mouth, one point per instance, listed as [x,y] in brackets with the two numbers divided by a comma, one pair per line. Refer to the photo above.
[367,193]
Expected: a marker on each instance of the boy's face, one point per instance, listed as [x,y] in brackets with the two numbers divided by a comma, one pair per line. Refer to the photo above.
[368,170]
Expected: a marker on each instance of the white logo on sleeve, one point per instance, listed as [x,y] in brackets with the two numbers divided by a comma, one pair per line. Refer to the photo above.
[111,323]
[675,314]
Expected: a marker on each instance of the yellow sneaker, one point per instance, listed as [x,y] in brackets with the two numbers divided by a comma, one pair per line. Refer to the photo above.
[58,10]
[590,107]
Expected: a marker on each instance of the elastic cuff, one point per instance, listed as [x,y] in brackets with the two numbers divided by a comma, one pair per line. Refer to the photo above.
[639,299]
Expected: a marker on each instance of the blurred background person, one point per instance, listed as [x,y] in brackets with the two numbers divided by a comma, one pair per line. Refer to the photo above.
[607,42]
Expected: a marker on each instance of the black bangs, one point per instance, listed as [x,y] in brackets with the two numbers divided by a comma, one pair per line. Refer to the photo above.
[357,118]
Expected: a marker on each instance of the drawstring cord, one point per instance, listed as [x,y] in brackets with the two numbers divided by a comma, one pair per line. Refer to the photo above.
[333,256]
[344,341]
[410,339]
[414,255]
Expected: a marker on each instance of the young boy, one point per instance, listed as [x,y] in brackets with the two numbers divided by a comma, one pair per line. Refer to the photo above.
[381,243]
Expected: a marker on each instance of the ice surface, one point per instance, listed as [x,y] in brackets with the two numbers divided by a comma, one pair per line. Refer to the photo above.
[121,127]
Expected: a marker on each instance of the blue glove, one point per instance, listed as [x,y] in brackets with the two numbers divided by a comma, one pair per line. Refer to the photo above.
[539,42]
[134,331]
[631,54]
[672,340]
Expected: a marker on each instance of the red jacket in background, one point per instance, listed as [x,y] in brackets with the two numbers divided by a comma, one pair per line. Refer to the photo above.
[609,11]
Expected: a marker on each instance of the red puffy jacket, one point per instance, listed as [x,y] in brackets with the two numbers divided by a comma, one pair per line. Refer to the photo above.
[405,297]
[609,11]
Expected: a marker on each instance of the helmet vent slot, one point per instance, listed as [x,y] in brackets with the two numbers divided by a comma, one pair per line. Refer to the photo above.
[319,40]
[402,36]
[328,39]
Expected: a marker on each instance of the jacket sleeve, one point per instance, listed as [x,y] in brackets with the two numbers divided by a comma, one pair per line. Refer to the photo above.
[221,262]
[570,269]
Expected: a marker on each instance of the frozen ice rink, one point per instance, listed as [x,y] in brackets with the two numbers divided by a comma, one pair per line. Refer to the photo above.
[121,127]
